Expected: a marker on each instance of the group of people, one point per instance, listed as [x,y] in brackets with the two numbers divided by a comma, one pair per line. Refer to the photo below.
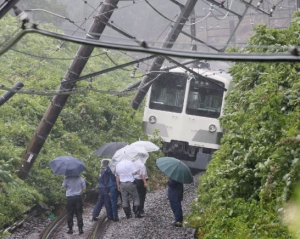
[113,183]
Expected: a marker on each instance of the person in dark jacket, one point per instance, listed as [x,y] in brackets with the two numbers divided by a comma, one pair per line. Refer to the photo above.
[114,194]
[175,196]
[74,186]
[140,180]
[103,198]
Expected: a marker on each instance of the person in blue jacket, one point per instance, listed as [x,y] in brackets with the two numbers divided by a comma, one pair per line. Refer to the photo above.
[114,194]
[103,198]
[175,196]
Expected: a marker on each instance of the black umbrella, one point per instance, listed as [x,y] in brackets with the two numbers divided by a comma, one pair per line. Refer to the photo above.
[67,165]
[109,149]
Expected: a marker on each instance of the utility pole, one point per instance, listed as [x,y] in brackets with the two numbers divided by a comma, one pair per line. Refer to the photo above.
[6,96]
[168,43]
[6,5]
[58,101]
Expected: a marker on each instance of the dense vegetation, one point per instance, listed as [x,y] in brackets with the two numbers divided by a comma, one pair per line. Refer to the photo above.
[90,118]
[254,175]
[248,185]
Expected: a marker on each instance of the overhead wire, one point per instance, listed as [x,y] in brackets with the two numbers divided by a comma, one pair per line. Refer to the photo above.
[157,51]
[222,18]
[158,12]
[56,58]
[211,5]
[54,14]
[115,62]
[31,92]
[172,21]
[61,45]
[74,91]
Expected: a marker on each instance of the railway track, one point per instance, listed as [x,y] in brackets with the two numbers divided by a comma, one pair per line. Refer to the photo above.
[58,227]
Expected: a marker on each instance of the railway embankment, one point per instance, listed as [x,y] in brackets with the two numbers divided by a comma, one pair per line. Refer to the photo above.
[155,224]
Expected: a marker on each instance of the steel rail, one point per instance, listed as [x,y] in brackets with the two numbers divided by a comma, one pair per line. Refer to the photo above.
[48,231]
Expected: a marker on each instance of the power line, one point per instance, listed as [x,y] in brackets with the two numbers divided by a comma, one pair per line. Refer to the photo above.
[54,14]
[158,12]
[115,62]
[55,58]
[76,91]
[275,57]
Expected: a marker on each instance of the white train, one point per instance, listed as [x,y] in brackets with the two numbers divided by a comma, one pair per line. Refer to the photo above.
[184,108]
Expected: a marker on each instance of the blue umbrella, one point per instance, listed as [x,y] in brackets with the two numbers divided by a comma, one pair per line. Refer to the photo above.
[67,165]
[175,169]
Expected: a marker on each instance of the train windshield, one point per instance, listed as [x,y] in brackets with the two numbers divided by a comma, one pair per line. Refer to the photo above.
[205,98]
[167,92]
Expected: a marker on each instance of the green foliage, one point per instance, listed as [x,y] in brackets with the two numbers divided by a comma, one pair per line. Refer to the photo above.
[12,197]
[291,214]
[88,120]
[255,172]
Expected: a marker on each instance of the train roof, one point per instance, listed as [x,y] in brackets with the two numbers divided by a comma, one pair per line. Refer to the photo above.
[214,74]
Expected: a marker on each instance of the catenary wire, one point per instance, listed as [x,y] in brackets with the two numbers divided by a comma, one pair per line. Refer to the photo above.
[159,51]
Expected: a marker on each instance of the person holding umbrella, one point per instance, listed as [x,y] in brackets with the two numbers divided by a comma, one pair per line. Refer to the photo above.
[103,198]
[125,182]
[141,181]
[175,196]
[71,168]
[74,186]
[178,174]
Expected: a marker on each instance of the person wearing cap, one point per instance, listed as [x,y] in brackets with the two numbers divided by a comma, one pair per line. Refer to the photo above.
[103,198]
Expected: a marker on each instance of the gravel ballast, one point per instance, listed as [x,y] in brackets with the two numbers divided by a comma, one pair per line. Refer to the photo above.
[156,224]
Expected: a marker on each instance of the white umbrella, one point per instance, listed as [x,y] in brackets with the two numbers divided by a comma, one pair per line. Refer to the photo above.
[130,152]
[149,146]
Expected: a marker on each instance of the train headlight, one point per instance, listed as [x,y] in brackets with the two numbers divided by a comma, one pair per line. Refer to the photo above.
[212,128]
[152,119]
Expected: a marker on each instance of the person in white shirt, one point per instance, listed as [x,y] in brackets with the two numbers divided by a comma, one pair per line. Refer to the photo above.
[125,183]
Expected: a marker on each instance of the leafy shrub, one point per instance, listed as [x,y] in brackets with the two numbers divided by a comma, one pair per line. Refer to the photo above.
[257,168]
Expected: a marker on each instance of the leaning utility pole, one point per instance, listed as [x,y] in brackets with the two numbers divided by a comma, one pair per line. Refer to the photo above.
[58,101]
[168,43]
[6,96]
[6,5]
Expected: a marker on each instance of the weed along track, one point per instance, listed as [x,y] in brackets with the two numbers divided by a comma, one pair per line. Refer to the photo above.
[92,229]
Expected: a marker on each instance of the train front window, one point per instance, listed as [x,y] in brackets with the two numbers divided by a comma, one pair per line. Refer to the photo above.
[167,92]
[205,98]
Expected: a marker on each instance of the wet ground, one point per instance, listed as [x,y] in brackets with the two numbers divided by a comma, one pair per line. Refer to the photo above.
[155,225]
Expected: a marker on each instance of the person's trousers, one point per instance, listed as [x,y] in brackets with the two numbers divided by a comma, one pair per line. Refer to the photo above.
[142,192]
[129,188]
[177,210]
[74,205]
[114,193]
[103,199]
